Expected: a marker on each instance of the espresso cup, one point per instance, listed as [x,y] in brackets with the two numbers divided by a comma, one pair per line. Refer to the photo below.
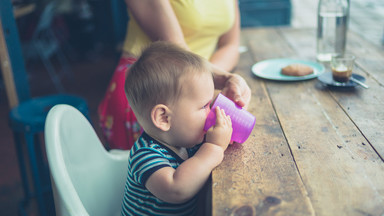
[242,121]
[342,67]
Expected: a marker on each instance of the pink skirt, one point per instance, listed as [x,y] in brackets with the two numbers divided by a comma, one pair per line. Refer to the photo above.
[117,120]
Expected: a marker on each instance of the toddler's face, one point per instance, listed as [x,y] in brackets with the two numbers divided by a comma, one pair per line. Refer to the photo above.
[190,112]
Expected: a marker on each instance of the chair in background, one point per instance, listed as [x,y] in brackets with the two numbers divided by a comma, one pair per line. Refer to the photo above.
[86,179]
[46,45]
[27,115]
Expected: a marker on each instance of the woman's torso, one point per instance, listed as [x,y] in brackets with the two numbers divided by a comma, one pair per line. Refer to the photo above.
[202,23]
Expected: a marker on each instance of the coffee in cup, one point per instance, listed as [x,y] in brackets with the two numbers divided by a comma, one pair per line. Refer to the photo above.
[342,67]
[341,74]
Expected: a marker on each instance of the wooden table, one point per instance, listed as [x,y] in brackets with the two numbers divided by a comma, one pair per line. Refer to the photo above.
[314,150]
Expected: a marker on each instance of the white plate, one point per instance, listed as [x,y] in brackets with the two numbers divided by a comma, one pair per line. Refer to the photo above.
[271,69]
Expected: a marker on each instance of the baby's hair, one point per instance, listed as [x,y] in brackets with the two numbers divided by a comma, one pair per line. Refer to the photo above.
[157,76]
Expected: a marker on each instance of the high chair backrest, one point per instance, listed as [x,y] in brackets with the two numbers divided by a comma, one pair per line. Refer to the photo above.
[86,179]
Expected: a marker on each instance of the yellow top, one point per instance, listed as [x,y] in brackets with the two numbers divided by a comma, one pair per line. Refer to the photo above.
[202,23]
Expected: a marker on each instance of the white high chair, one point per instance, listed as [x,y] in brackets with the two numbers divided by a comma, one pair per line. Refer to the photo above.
[86,179]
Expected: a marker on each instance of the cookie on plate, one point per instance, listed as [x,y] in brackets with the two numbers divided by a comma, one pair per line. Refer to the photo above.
[297,70]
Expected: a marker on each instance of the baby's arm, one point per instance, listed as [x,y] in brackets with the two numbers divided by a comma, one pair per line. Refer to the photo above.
[181,184]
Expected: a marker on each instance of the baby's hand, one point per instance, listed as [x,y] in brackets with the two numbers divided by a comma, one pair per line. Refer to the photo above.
[220,134]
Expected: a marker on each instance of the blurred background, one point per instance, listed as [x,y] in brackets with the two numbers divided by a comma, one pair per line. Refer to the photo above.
[87,37]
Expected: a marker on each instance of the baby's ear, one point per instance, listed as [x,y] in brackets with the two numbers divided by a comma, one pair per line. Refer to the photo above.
[161,118]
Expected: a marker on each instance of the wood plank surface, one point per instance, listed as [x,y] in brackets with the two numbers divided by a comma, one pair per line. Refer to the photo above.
[368,56]
[364,106]
[255,176]
[314,150]
[338,166]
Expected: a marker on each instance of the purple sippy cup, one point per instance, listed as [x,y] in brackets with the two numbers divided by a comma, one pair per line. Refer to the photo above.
[242,121]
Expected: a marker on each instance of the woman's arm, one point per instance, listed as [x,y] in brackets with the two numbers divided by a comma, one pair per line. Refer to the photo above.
[227,54]
[225,59]
[158,20]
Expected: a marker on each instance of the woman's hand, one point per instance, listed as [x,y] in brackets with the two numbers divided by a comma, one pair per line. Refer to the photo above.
[236,89]
[232,85]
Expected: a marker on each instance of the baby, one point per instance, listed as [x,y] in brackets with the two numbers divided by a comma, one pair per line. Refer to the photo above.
[170,90]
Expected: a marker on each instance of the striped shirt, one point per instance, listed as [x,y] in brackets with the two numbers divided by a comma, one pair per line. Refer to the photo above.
[146,157]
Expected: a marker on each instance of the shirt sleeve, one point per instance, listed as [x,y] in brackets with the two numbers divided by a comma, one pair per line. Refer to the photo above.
[145,162]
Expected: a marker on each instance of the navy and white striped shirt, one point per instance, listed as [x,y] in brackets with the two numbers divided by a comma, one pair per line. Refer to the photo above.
[146,157]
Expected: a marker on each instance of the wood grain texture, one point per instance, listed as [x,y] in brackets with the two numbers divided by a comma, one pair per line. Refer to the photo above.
[364,107]
[254,176]
[338,168]
[314,150]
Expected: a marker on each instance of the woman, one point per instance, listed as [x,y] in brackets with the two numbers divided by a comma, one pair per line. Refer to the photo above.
[210,28]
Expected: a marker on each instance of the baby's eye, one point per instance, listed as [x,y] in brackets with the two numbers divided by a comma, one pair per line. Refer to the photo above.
[205,106]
